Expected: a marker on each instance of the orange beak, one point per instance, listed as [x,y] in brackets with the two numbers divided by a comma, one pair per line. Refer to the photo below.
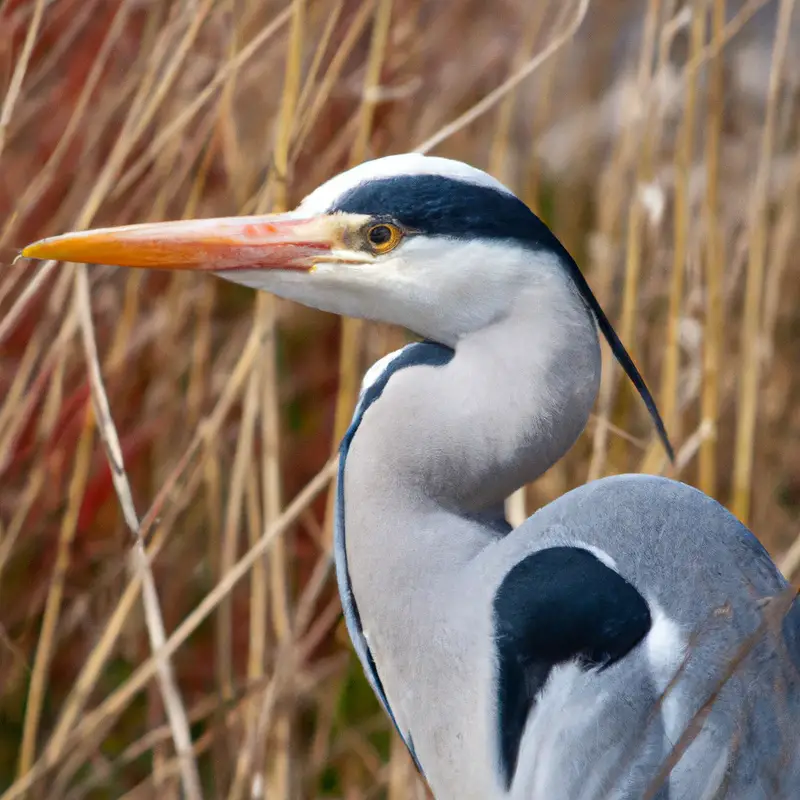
[276,241]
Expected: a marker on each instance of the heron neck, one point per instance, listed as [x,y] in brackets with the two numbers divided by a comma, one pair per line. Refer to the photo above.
[424,473]
[460,437]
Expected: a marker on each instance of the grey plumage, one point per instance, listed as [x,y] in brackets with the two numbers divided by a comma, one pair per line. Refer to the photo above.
[631,639]
[424,481]
[425,571]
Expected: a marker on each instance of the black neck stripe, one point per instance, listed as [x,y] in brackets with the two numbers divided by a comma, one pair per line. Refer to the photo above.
[412,355]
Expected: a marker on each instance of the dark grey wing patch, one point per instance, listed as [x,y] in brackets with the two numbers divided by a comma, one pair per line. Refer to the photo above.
[417,354]
[557,605]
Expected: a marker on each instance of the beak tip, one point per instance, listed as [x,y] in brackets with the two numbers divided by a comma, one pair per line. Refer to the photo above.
[49,250]
[30,251]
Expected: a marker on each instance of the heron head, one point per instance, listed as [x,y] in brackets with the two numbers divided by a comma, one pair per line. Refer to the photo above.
[428,243]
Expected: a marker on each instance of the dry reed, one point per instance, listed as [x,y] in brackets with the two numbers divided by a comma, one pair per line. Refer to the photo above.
[659,140]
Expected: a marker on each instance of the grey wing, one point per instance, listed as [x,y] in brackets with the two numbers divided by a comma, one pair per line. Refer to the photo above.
[727,681]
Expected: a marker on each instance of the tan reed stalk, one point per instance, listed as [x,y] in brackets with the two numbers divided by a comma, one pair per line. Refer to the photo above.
[44,649]
[14,88]
[654,459]
[714,262]
[751,329]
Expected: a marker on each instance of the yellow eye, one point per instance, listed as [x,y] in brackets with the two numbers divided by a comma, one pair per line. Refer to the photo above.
[384,237]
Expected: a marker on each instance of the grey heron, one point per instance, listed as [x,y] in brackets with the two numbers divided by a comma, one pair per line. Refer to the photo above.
[577,654]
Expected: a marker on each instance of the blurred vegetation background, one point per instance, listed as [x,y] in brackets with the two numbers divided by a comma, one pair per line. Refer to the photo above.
[658,138]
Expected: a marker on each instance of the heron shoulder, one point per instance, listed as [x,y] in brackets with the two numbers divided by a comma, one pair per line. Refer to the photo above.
[665,502]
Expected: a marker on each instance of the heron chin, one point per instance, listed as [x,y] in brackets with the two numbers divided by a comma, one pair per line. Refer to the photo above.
[568,658]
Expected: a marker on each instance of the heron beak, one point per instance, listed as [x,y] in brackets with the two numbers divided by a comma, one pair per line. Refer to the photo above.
[275,241]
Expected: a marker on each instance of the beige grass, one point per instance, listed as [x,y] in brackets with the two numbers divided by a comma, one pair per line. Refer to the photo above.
[209,653]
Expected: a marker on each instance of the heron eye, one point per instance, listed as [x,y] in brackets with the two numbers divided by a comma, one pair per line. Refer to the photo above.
[384,237]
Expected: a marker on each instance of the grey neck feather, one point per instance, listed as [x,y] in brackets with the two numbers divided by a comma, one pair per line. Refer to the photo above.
[458,439]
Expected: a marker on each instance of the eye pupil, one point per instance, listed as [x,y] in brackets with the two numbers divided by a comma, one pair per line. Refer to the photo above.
[380,235]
